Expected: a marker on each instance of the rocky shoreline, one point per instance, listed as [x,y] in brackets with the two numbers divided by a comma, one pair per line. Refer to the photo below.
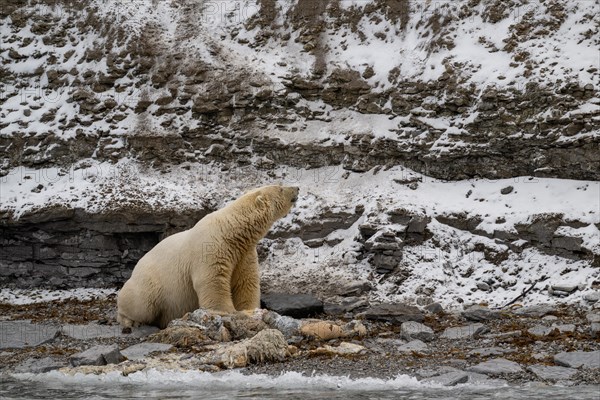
[551,344]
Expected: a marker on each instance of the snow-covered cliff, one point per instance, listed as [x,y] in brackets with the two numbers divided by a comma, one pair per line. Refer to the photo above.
[445,149]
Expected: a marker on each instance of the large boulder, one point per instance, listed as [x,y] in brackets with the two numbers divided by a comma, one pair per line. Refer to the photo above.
[98,355]
[292,305]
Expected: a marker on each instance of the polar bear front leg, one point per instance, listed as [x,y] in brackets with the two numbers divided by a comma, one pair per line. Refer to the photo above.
[245,283]
[214,289]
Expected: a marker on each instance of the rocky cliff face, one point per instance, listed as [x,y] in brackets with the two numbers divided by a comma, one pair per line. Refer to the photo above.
[336,90]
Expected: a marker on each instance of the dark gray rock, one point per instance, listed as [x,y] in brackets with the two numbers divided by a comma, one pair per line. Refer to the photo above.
[414,330]
[429,372]
[290,327]
[97,355]
[489,351]
[464,332]
[565,328]
[355,289]
[571,244]
[479,314]
[540,330]
[39,366]
[595,330]
[20,334]
[507,190]
[593,316]
[396,313]
[143,331]
[141,350]
[292,305]
[497,366]
[550,318]
[91,331]
[552,373]
[502,335]
[349,304]
[414,345]
[448,379]
[418,223]
[537,311]
[434,308]
[576,359]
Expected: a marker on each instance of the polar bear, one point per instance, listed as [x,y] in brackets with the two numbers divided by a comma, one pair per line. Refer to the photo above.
[213,265]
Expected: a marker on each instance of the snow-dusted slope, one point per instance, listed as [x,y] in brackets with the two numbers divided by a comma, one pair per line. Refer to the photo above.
[503,252]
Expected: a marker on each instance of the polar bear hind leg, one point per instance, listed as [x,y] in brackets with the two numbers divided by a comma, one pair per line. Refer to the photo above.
[135,307]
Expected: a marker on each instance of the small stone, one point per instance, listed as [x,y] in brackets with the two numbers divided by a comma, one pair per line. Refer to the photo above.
[345,306]
[479,313]
[540,356]
[593,317]
[503,335]
[292,305]
[592,297]
[144,330]
[290,327]
[414,345]
[595,330]
[489,351]
[552,373]
[565,288]
[497,366]
[429,372]
[141,350]
[464,332]
[537,311]
[507,190]
[483,286]
[557,293]
[98,355]
[565,328]
[448,379]
[396,313]
[414,330]
[355,288]
[576,359]
[434,308]
[550,318]
[540,330]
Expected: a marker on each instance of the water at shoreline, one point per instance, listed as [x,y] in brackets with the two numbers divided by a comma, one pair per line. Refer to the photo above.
[293,386]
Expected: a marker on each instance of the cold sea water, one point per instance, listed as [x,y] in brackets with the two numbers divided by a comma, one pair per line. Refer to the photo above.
[292,386]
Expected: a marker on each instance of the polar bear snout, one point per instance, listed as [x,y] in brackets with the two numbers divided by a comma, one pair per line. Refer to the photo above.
[296,190]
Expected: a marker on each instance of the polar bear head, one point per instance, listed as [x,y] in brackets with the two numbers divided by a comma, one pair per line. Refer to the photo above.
[276,200]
